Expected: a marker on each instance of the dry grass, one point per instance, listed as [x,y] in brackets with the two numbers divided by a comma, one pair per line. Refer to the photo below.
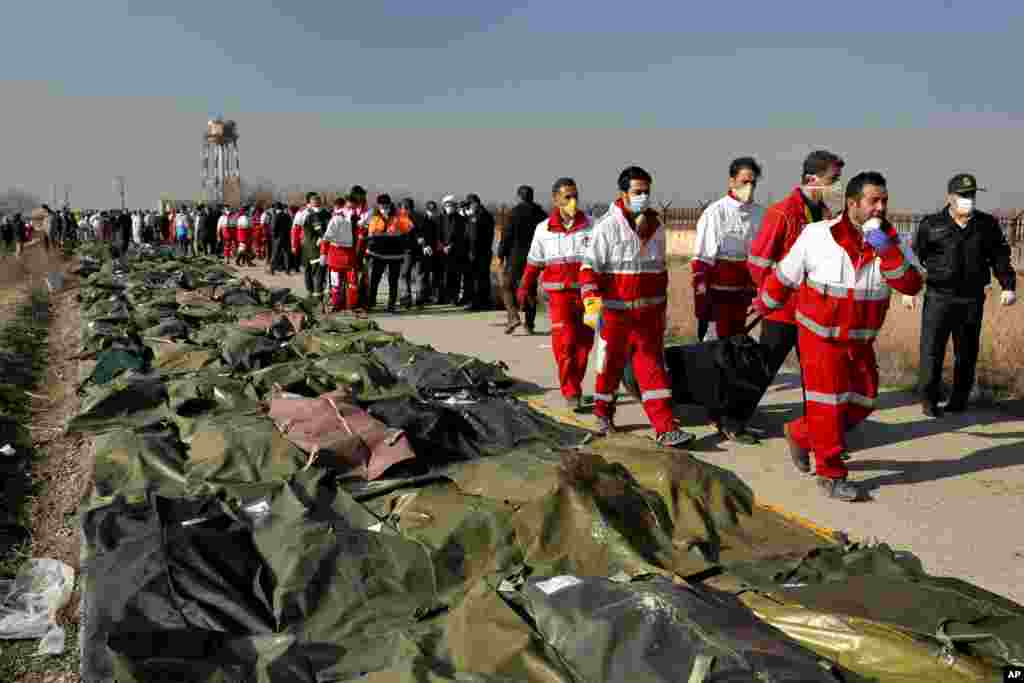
[1002,339]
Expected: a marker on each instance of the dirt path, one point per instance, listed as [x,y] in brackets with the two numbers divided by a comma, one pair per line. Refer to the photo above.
[60,471]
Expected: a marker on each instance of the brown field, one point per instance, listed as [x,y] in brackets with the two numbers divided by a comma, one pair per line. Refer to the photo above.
[1002,340]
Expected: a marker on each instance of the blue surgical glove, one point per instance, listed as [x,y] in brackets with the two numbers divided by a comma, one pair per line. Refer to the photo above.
[878,239]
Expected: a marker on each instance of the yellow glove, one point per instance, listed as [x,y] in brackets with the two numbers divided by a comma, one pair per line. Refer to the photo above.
[591,311]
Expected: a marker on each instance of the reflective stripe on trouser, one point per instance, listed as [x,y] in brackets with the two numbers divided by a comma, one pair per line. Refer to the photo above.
[571,340]
[841,381]
[229,248]
[344,288]
[730,317]
[640,334]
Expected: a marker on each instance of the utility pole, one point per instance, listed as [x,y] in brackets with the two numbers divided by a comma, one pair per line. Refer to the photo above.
[119,188]
[67,195]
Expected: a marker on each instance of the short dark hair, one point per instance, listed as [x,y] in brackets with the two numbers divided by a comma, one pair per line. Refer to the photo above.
[473,198]
[630,174]
[741,163]
[525,193]
[820,161]
[357,190]
[855,188]
[310,195]
[562,182]
[408,204]
[431,204]
[383,199]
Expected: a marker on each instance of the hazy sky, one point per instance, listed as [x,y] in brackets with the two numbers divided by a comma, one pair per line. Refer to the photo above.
[459,96]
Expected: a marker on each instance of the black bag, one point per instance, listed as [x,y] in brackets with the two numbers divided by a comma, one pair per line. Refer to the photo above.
[726,376]
[654,631]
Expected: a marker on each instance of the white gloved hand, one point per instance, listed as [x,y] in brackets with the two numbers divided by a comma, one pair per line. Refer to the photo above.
[1008,298]
[427,251]
[323,259]
[909,301]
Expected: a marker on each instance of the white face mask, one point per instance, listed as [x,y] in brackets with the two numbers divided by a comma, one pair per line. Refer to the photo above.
[744,193]
[965,204]
[639,203]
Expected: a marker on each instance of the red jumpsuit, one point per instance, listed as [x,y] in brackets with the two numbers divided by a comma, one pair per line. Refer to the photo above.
[556,254]
[342,244]
[842,288]
[624,265]
[227,234]
[722,285]
[259,236]
[243,231]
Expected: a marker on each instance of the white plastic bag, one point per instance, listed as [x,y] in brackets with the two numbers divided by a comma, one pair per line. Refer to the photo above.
[31,602]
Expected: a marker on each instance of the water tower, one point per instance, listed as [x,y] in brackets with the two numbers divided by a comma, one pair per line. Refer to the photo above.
[221,175]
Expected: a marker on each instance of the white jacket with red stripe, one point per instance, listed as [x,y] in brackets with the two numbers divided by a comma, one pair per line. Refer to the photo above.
[725,231]
[838,299]
[626,272]
[557,252]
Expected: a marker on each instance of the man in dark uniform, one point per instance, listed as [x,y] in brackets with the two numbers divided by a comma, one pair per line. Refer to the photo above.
[513,249]
[480,249]
[431,272]
[960,248]
[453,250]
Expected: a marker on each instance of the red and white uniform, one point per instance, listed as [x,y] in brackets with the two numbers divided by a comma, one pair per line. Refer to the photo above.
[243,230]
[842,287]
[626,268]
[780,227]
[722,285]
[298,221]
[342,243]
[226,224]
[259,235]
[556,254]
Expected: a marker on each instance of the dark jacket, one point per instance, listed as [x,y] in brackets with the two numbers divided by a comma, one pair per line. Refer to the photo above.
[209,227]
[480,237]
[960,261]
[282,227]
[517,235]
[430,230]
[453,234]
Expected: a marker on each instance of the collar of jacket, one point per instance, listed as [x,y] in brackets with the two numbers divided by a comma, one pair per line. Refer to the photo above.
[555,221]
[650,225]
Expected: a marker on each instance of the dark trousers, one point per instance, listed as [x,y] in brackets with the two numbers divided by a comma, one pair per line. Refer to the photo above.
[410,271]
[780,338]
[941,318]
[393,267]
[510,280]
[314,277]
[281,258]
[478,283]
[455,276]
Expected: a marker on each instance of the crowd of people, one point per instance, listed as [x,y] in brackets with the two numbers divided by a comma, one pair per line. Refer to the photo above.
[816,270]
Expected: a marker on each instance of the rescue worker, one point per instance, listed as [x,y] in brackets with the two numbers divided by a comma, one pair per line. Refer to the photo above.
[259,235]
[413,254]
[243,237]
[308,228]
[480,255]
[556,252]
[841,271]
[360,209]
[453,250]
[226,227]
[722,287]
[431,272]
[181,232]
[513,250]
[818,197]
[959,248]
[386,246]
[338,254]
[624,287]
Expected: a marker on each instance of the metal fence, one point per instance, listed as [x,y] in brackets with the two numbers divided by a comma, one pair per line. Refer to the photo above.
[685,218]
